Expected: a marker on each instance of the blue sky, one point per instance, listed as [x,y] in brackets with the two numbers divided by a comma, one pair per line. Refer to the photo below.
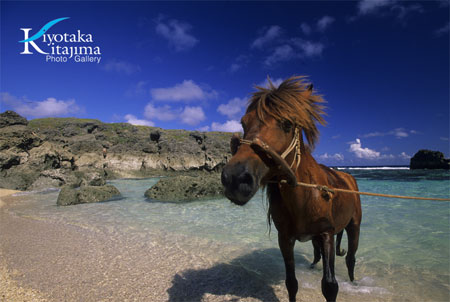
[382,66]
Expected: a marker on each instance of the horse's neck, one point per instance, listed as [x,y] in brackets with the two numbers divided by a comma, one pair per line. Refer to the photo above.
[296,198]
[308,166]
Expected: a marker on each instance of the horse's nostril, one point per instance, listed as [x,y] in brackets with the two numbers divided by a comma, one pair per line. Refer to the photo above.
[246,178]
[225,178]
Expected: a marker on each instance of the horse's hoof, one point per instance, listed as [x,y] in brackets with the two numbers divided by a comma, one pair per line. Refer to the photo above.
[313,265]
[341,252]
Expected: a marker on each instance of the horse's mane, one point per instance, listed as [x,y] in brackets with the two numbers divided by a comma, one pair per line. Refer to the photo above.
[292,101]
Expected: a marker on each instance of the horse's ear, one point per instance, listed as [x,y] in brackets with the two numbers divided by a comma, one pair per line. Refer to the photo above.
[308,92]
[234,143]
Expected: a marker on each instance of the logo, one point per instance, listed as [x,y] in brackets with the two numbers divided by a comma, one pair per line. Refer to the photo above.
[61,47]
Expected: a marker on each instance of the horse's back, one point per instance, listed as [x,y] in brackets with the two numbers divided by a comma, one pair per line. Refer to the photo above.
[339,179]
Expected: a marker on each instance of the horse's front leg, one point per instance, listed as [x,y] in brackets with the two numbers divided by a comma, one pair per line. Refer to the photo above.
[330,286]
[286,244]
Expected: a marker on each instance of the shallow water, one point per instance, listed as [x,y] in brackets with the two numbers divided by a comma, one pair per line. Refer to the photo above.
[404,251]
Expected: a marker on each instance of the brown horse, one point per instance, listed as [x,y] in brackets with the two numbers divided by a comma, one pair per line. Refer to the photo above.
[272,154]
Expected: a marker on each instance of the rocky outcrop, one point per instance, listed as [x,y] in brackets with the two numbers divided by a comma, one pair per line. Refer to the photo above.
[65,151]
[86,194]
[10,118]
[186,188]
[427,159]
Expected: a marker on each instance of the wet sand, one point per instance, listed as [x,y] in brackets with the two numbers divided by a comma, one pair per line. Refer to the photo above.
[5,193]
[55,261]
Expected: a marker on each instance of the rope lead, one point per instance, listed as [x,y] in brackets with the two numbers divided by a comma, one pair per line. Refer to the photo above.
[333,190]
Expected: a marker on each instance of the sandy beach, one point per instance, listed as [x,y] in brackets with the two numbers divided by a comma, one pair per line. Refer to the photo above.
[4,193]
[9,288]
[91,253]
[55,261]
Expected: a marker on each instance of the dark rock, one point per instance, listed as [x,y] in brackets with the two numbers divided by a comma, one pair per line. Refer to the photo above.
[88,194]
[427,159]
[10,118]
[187,188]
[8,159]
[150,148]
[97,193]
[54,178]
[198,136]
[67,196]
[18,178]
[91,178]
[155,136]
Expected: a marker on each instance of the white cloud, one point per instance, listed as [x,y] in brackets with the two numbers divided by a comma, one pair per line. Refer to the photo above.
[403,155]
[306,29]
[189,115]
[234,67]
[324,22]
[203,129]
[321,25]
[309,48]
[400,9]
[360,152]
[121,67]
[366,7]
[303,48]
[177,33]
[268,35]
[336,156]
[397,132]
[233,107]
[162,113]
[192,115]
[228,126]
[131,119]
[188,90]
[373,134]
[50,107]
[281,53]
[240,62]
[403,11]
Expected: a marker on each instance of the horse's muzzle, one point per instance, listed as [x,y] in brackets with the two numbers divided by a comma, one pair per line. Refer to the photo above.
[240,185]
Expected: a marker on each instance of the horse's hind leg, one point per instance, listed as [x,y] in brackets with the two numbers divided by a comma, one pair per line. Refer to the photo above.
[353,239]
[316,245]
[339,252]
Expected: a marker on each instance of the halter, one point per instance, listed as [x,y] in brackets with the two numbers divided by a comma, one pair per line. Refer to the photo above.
[295,144]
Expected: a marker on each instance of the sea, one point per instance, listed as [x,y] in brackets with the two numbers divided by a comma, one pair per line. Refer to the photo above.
[404,247]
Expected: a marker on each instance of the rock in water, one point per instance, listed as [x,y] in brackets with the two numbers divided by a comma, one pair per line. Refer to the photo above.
[88,194]
[67,196]
[427,159]
[186,188]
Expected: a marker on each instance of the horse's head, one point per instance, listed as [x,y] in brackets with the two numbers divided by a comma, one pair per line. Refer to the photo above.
[273,122]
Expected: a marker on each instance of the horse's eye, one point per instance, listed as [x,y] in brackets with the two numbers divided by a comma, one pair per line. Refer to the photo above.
[286,126]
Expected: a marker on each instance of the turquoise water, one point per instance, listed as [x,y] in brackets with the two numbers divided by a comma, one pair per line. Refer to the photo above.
[404,251]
